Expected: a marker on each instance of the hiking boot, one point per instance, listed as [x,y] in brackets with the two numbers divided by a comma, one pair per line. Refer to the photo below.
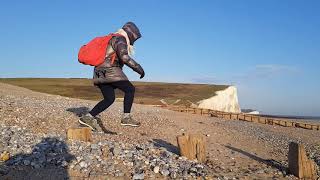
[128,121]
[88,121]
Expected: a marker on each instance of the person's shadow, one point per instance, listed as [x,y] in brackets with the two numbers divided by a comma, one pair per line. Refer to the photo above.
[168,146]
[269,162]
[48,160]
[79,111]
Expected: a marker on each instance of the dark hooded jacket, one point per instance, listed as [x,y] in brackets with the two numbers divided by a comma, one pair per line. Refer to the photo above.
[108,72]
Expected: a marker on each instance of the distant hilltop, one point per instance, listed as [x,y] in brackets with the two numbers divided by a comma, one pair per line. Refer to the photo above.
[216,97]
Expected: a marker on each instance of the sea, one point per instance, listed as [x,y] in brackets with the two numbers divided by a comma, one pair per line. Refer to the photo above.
[315,119]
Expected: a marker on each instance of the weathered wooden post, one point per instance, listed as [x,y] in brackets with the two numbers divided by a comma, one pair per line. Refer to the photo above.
[81,134]
[192,147]
[299,164]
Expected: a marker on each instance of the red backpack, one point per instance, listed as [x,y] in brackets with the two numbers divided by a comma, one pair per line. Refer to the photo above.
[94,52]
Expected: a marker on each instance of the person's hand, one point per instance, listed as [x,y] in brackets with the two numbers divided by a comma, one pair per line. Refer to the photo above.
[137,68]
[142,74]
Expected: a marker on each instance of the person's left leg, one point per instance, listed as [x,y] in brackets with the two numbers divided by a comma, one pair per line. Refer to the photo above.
[107,91]
[88,119]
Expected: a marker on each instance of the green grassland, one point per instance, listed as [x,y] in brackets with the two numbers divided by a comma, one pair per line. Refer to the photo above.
[146,92]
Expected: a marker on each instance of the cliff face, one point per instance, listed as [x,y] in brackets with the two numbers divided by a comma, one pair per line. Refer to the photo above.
[224,100]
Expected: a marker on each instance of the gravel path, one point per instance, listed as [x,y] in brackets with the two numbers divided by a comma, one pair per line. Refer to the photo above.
[33,127]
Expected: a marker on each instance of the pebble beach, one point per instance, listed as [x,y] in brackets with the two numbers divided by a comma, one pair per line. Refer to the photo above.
[34,145]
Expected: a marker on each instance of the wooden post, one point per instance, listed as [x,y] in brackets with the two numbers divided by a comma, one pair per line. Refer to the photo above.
[192,147]
[81,134]
[299,164]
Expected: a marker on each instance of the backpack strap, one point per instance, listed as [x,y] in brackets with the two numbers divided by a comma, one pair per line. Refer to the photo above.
[113,57]
[114,54]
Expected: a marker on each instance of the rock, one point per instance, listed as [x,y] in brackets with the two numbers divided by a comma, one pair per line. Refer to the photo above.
[94,146]
[165,172]
[105,152]
[64,163]
[184,173]
[110,169]
[116,151]
[138,176]
[37,166]
[137,163]
[156,169]
[83,164]
[193,169]
[26,162]
[199,166]
[260,171]
[77,167]
[129,155]
[119,174]
[173,175]
[32,163]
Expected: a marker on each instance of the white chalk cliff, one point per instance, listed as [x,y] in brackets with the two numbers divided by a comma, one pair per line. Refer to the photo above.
[225,100]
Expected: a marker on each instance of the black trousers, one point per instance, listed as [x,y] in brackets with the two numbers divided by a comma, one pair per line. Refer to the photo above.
[107,91]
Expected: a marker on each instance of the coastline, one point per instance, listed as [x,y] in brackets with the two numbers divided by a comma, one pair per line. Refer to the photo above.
[313,119]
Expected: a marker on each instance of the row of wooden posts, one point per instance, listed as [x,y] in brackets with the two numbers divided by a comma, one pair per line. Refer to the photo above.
[245,117]
[193,147]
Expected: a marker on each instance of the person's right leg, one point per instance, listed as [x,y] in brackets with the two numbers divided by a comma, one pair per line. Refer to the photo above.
[108,98]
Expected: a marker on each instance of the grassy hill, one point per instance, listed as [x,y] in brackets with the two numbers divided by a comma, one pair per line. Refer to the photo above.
[146,92]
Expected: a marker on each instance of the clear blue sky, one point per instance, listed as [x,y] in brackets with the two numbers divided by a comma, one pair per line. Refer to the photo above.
[269,49]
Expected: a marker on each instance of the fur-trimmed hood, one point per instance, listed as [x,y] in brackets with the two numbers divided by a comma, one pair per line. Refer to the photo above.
[124,34]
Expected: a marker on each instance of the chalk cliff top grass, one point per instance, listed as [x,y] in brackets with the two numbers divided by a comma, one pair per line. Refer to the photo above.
[146,92]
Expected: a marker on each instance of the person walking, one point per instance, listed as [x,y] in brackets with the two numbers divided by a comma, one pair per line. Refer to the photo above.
[109,76]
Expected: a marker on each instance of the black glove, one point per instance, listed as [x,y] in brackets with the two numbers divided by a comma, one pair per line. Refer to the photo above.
[142,74]
[139,70]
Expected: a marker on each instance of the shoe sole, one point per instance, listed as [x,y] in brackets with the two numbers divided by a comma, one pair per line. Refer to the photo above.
[132,125]
[83,123]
